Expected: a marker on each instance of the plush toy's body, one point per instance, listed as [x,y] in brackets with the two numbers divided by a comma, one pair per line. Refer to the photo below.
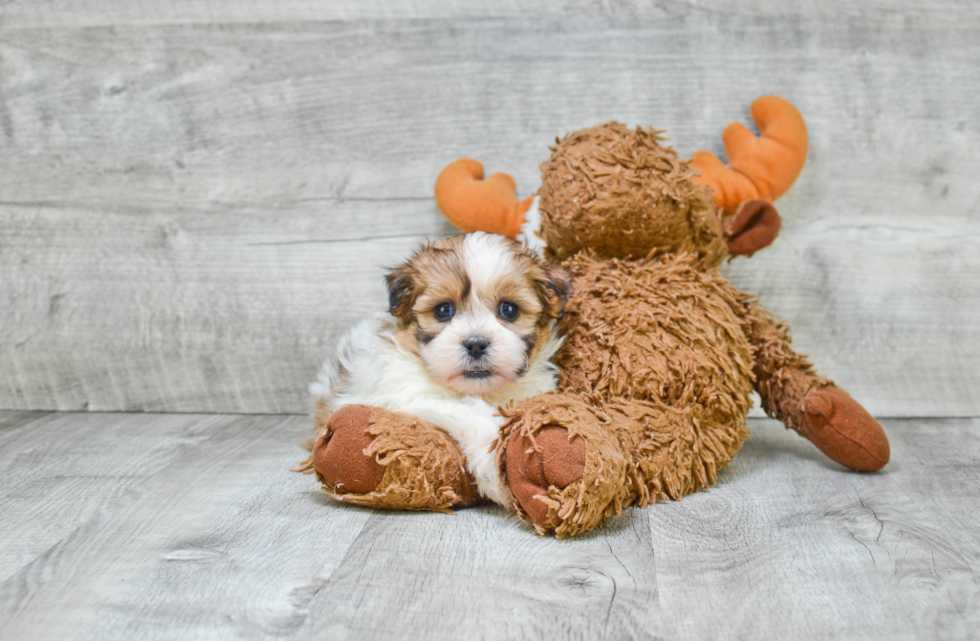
[662,353]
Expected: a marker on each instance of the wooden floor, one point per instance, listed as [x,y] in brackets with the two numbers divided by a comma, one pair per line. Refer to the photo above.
[122,526]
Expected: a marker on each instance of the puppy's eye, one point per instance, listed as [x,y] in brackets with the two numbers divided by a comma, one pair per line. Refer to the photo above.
[444,311]
[508,311]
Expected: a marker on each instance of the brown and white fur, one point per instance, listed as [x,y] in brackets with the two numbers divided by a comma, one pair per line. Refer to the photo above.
[454,371]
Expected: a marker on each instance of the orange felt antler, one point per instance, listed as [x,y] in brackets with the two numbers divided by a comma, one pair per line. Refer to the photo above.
[763,167]
[474,204]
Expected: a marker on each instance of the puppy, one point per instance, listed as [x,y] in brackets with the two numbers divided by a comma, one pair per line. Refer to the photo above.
[472,323]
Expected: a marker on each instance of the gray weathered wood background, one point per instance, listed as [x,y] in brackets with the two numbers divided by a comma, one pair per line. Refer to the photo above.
[197,196]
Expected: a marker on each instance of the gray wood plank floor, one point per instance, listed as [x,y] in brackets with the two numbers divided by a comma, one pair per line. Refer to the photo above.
[199,195]
[122,526]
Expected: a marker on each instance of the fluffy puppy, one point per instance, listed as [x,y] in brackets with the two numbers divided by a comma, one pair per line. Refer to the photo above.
[472,323]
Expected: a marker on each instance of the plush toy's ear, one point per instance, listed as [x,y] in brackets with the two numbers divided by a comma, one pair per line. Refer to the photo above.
[760,168]
[755,225]
[474,204]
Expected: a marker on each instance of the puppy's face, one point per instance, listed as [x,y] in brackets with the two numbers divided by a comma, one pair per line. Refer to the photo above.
[476,309]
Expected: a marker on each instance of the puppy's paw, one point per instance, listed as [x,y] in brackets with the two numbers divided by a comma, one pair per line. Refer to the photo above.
[339,455]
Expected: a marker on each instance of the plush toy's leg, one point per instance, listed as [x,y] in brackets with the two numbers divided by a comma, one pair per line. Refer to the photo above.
[810,404]
[571,465]
[674,452]
[378,458]
[563,463]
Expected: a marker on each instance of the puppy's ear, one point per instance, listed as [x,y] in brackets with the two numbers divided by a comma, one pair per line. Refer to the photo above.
[552,286]
[401,290]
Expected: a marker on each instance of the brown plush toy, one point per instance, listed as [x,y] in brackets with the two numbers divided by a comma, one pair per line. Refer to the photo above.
[662,352]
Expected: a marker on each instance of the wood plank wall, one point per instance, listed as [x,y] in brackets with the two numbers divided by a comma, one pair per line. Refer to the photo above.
[197,196]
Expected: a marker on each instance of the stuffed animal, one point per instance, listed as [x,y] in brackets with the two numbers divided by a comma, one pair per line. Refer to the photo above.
[662,352]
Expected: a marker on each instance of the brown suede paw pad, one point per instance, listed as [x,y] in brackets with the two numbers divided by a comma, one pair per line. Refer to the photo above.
[844,431]
[338,455]
[533,467]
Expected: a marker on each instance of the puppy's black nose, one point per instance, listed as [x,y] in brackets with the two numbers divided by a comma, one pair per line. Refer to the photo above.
[476,346]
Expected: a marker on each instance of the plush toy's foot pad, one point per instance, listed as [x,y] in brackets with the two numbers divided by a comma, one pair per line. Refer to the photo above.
[378,458]
[340,457]
[844,431]
[565,466]
[553,459]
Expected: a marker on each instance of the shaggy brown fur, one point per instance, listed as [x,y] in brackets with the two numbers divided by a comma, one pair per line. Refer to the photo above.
[661,350]
[423,468]
[604,488]
[657,355]
[660,329]
[620,194]
[784,376]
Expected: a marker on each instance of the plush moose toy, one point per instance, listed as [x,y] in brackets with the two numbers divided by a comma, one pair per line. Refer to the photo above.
[662,352]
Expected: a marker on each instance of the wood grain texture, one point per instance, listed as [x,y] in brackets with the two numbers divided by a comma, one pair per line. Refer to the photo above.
[189,526]
[33,14]
[13,420]
[196,203]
